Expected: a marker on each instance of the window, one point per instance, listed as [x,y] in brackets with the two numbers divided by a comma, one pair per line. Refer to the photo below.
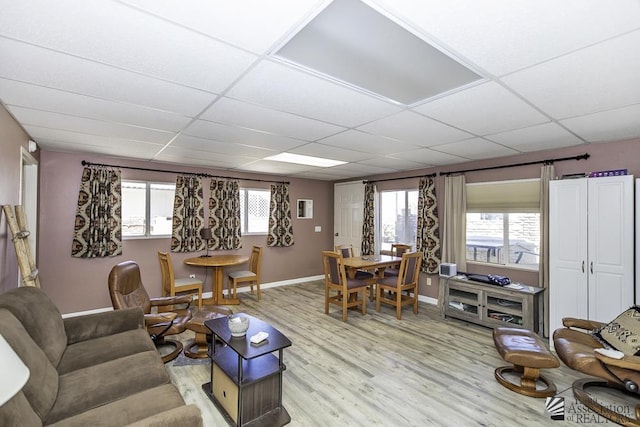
[254,210]
[147,208]
[398,217]
[503,223]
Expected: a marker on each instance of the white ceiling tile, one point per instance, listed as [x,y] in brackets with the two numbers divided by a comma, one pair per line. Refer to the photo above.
[535,138]
[280,168]
[621,123]
[287,89]
[222,132]
[367,143]
[597,78]
[475,149]
[234,112]
[430,157]
[31,64]
[203,158]
[61,140]
[19,94]
[359,169]
[391,163]
[49,120]
[331,152]
[415,128]
[228,148]
[483,109]
[323,175]
[502,36]
[229,20]
[153,46]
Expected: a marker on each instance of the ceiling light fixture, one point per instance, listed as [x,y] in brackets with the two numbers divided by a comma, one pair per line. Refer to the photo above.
[305,160]
[356,45]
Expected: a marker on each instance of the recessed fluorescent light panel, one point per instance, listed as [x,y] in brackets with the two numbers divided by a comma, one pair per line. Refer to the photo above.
[305,160]
[352,43]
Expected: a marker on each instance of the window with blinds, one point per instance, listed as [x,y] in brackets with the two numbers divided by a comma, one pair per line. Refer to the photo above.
[503,223]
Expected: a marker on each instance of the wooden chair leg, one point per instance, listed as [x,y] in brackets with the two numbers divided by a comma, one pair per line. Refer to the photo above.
[399,305]
[258,288]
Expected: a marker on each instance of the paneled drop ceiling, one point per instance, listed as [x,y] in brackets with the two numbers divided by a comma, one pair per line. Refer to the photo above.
[198,82]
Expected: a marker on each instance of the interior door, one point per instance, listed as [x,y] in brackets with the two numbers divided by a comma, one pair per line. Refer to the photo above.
[29,197]
[348,205]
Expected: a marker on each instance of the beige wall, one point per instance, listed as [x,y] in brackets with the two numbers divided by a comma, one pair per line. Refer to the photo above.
[81,284]
[12,138]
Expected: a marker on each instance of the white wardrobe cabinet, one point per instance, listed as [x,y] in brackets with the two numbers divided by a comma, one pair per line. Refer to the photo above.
[591,248]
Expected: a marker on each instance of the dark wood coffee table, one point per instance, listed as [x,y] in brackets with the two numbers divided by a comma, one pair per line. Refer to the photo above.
[246,379]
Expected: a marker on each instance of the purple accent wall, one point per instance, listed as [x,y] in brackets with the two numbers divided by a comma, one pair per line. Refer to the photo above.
[81,284]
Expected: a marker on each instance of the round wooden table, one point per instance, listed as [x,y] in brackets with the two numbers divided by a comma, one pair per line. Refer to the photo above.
[218,263]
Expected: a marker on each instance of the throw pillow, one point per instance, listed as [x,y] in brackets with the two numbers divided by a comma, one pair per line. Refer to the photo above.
[623,332]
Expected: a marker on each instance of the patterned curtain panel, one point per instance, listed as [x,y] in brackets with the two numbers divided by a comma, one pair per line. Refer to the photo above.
[188,215]
[368,223]
[280,224]
[224,215]
[98,227]
[428,240]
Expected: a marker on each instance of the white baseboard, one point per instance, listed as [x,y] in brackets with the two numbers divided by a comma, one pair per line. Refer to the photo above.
[210,294]
[428,300]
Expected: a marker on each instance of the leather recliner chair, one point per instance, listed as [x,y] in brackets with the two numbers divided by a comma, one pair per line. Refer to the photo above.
[575,345]
[126,290]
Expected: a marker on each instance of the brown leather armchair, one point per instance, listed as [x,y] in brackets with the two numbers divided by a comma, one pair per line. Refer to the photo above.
[575,345]
[126,290]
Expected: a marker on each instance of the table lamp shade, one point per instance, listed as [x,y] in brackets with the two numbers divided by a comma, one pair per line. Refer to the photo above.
[205,234]
[13,372]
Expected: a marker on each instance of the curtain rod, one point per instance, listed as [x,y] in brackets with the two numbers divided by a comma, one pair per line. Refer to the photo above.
[538,162]
[205,175]
[430,175]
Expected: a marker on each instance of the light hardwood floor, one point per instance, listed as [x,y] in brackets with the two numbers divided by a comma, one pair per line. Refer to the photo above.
[375,370]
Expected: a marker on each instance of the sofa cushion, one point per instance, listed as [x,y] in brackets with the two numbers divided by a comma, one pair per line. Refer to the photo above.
[40,317]
[88,388]
[93,352]
[42,386]
[131,409]
[18,412]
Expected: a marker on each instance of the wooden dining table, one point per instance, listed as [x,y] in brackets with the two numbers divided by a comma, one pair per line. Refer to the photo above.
[218,263]
[370,262]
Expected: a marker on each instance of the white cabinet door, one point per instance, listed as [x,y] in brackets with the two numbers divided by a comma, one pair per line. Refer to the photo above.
[610,269]
[567,251]
[591,257]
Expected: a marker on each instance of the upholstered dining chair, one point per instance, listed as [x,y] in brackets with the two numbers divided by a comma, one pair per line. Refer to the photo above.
[347,252]
[581,346]
[172,286]
[251,276]
[397,249]
[404,287]
[339,289]
[126,290]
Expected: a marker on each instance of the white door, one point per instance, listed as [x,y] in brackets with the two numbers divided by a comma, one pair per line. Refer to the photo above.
[567,251]
[610,269]
[348,205]
[29,197]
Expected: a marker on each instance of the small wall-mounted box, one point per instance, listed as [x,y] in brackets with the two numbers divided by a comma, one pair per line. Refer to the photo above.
[448,270]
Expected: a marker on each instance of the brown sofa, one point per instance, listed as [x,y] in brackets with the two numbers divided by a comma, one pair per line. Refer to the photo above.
[93,370]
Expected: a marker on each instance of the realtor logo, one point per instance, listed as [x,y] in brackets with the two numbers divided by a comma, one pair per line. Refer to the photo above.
[555,407]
